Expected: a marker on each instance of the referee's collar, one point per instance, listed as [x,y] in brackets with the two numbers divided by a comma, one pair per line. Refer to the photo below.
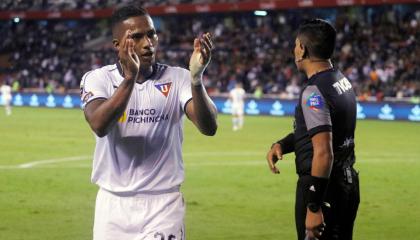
[313,77]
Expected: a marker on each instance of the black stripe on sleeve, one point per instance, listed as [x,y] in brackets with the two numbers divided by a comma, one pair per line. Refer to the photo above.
[185,107]
[318,129]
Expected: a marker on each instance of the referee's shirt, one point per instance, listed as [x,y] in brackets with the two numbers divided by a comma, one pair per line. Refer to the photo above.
[326,104]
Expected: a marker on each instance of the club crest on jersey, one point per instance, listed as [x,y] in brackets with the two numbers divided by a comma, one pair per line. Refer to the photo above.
[164,88]
[315,101]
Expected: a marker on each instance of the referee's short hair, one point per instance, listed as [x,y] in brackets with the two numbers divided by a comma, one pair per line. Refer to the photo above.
[318,36]
[122,13]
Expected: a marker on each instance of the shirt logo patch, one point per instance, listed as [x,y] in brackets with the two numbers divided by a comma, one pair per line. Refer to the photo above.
[164,88]
[315,102]
[86,96]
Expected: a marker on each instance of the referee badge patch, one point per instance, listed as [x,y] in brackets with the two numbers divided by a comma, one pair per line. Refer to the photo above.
[164,88]
[315,101]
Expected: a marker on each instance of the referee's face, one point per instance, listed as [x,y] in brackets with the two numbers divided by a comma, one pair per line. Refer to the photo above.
[299,52]
[145,38]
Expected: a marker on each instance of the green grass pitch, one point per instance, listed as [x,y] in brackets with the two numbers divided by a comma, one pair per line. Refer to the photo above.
[45,189]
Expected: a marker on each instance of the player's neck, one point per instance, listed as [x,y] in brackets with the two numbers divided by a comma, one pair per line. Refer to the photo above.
[144,74]
[315,66]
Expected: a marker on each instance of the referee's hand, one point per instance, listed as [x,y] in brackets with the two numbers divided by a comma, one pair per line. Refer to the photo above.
[314,224]
[273,156]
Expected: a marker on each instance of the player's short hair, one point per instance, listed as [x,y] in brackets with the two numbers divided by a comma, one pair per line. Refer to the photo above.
[318,36]
[122,13]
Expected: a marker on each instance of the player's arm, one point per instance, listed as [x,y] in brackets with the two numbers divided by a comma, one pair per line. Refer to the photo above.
[201,110]
[278,149]
[102,114]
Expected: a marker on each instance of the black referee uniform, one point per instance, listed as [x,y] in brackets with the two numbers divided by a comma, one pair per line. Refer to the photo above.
[328,103]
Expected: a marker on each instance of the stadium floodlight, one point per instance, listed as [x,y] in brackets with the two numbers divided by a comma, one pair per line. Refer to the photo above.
[16,19]
[260,13]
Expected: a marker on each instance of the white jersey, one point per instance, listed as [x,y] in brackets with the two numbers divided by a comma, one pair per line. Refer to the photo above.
[237,96]
[142,152]
[6,93]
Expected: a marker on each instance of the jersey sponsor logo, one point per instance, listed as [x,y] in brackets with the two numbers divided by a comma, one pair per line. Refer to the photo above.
[164,88]
[148,115]
[315,102]
[123,117]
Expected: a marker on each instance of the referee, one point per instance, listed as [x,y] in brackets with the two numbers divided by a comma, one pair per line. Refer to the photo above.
[327,192]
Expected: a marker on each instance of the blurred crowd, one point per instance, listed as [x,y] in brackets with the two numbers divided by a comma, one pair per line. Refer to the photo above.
[93,4]
[377,49]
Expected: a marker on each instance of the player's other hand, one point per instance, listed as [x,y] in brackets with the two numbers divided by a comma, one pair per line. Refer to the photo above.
[273,156]
[130,62]
[200,57]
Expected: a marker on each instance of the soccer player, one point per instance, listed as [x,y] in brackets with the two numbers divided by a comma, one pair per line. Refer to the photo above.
[6,94]
[136,108]
[237,99]
[327,193]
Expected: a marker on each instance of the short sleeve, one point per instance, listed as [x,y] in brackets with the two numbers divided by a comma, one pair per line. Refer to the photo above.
[315,111]
[93,86]
[185,94]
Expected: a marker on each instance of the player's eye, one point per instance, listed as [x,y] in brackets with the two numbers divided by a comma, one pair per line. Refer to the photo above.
[151,33]
[137,36]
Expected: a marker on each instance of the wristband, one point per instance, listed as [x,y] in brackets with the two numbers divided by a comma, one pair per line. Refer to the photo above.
[316,191]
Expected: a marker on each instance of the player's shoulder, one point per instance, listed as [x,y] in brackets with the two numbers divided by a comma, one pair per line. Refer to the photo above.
[175,73]
[99,74]
[173,69]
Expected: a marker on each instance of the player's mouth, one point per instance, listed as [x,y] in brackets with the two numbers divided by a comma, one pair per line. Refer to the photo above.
[147,56]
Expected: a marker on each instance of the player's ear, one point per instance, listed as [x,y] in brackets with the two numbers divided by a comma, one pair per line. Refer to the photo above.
[116,44]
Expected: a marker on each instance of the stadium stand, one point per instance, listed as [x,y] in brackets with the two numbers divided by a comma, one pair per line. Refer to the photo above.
[377,47]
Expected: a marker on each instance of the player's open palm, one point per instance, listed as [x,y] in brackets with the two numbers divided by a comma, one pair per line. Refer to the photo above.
[273,155]
[129,60]
[201,55]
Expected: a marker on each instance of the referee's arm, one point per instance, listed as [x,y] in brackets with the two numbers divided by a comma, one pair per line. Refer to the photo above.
[283,146]
[323,155]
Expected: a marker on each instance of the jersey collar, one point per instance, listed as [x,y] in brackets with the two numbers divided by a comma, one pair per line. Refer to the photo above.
[158,70]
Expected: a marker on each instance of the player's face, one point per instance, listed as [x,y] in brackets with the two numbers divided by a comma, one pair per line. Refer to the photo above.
[145,38]
[298,52]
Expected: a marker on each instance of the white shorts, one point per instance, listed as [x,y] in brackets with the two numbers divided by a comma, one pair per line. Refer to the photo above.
[6,100]
[237,110]
[139,217]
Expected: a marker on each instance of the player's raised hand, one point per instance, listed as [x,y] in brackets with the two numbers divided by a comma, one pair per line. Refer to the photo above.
[130,62]
[200,57]
[273,156]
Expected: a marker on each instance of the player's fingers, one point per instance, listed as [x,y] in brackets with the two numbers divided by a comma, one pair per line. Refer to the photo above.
[207,38]
[205,45]
[123,46]
[130,50]
[196,44]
